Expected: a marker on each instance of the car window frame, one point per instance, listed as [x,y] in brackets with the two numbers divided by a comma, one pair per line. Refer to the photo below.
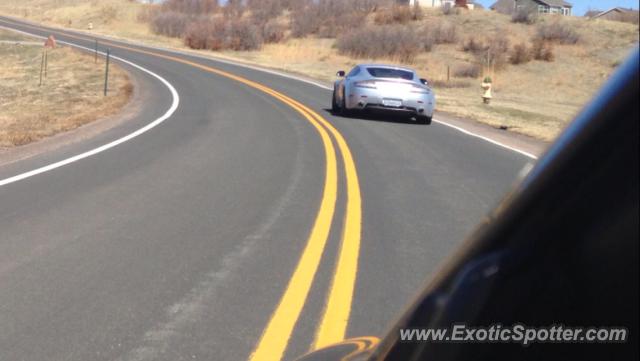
[355,71]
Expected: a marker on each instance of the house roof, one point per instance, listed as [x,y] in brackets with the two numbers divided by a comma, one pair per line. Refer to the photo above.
[503,5]
[592,13]
[616,9]
[599,13]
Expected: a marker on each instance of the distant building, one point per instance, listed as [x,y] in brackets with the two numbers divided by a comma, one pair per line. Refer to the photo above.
[592,13]
[615,14]
[560,7]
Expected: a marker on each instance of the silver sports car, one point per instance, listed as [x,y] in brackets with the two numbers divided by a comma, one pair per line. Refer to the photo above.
[383,88]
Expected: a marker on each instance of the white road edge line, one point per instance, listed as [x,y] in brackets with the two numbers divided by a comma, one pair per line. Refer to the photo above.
[486,139]
[153,124]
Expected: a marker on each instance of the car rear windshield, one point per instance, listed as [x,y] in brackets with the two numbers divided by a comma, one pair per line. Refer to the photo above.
[390,73]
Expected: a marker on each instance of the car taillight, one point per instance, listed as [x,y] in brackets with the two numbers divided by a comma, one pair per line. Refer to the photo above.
[369,84]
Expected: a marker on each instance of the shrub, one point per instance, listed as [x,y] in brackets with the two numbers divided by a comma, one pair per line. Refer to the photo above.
[497,54]
[329,18]
[393,15]
[520,54]
[242,35]
[391,41]
[190,7]
[450,10]
[558,32]
[273,32]
[471,45]
[219,34]
[440,33]
[398,14]
[333,26]
[542,50]
[197,34]
[417,13]
[524,16]
[108,13]
[445,33]
[146,14]
[305,21]
[492,53]
[426,39]
[467,71]
[233,9]
[262,11]
[169,23]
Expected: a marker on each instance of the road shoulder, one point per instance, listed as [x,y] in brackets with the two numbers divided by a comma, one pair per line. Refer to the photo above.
[82,133]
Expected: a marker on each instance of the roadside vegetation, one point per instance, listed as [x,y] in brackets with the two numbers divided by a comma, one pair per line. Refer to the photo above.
[71,94]
[544,68]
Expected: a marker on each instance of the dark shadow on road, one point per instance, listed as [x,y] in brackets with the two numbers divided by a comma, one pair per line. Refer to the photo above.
[388,117]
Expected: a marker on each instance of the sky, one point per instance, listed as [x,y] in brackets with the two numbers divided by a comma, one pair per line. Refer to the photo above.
[581,6]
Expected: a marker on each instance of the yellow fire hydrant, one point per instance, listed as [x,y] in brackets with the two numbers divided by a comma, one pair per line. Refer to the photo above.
[486,86]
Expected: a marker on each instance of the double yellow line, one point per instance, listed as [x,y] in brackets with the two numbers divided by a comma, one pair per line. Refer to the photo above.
[335,318]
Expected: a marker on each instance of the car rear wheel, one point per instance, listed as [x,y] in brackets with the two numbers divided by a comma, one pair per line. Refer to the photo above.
[343,108]
[423,119]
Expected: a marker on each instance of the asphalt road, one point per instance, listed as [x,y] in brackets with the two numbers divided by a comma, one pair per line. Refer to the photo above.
[181,243]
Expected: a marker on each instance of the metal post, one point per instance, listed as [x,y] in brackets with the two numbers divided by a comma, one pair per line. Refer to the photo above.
[46,63]
[448,73]
[106,73]
[41,67]
[96,53]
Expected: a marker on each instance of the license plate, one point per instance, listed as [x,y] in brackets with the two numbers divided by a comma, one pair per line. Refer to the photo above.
[392,103]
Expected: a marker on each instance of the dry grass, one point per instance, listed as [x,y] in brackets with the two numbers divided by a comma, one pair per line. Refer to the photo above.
[70,96]
[118,18]
[537,98]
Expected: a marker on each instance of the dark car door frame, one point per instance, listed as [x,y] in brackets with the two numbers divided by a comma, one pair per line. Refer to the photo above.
[574,213]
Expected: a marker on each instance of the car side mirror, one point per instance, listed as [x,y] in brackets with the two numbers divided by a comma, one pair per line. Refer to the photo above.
[424,81]
[340,73]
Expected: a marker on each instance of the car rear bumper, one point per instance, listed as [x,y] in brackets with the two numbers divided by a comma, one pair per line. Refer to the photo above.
[372,99]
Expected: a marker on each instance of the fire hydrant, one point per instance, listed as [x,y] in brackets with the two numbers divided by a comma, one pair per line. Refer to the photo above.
[486,85]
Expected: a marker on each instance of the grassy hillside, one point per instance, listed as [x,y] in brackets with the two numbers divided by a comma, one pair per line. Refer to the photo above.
[536,97]
[112,17]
